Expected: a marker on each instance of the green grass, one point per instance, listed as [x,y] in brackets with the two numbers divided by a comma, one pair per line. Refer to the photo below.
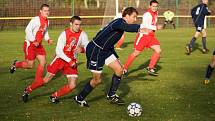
[177,94]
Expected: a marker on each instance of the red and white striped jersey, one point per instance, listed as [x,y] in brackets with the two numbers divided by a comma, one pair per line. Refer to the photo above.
[149,21]
[37,29]
[68,41]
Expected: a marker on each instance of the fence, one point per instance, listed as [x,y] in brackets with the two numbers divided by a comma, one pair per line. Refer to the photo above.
[16,13]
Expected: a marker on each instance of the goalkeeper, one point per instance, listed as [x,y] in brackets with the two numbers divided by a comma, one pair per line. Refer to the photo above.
[169,15]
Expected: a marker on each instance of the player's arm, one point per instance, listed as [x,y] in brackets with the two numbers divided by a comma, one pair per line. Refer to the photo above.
[82,43]
[206,11]
[60,46]
[147,22]
[121,25]
[30,27]
[47,37]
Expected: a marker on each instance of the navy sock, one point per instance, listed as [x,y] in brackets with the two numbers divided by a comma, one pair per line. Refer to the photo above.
[192,42]
[204,42]
[87,89]
[209,72]
[114,84]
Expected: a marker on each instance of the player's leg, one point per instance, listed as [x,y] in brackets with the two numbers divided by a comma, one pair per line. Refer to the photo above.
[154,59]
[36,84]
[95,63]
[115,65]
[40,67]
[210,69]
[173,24]
[130,59]
[88,88]
[165,23]
[189,47]
[72,79]
[120,42]
[139,45]
[28,63]
[204,49]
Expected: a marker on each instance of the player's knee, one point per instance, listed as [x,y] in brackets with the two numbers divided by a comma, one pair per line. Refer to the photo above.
[72,85]
[43,63]
[30,65]
[119,71]
[213,63]
[136,53]
[95,82]
[158,51]
[204,34]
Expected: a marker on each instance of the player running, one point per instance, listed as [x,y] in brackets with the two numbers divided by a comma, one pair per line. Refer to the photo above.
[198,15]
[210,69]
[147,39]
[101,51]
[36,30]
[71,41]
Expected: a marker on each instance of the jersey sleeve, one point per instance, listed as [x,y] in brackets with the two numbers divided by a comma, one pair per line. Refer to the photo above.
[147,22]
[30,27]
[46,35]
[121,25]
[83,40]
[60,46]
[205,10]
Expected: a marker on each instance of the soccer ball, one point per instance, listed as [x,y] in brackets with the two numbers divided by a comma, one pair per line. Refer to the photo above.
[134,109]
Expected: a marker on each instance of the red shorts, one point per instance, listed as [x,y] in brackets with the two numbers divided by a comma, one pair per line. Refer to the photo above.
[60,65]
[144,41]
[31,51]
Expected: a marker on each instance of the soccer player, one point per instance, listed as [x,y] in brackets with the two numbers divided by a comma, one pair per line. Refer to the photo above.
[101,51]
[147,39]
[70,42]
[210,69]
[36,30]
[121,41]
[169,15]
[198,15]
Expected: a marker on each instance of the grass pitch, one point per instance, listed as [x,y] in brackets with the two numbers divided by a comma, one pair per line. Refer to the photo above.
[177,94]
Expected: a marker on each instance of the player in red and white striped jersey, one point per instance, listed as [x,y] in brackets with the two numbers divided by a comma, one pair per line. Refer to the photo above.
[71,42]
[147,39]
[36,30]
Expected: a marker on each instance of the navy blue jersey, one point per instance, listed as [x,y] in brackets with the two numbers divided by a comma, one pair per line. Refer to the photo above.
[198,14]
[111,34]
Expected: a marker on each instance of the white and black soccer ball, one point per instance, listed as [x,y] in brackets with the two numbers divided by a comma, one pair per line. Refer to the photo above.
[134,109]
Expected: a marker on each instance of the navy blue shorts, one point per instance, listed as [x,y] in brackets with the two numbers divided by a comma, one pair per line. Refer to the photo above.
[214,52]
[199,27]
[96,56]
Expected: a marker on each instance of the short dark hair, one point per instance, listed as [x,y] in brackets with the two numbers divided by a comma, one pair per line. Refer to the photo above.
[44,5]
[129,11]
[153,1]
[75,18]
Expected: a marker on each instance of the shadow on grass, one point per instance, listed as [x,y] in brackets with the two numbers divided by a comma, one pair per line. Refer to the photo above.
[144,65]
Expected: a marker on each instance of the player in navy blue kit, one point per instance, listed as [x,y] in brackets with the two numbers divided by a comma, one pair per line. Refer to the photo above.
[101,51]
[210,69]
[198,15]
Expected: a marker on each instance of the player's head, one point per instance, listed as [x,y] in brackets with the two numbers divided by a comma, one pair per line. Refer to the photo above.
[44,10]
[154,5]
[75,23]
[130,15]
[205,1]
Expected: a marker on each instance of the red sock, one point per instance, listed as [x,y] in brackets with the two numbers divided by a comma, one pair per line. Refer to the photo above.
[62,91]
[39,72]
[120,42]
[22,64]
[155,57]
[130,59]
[36,84]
